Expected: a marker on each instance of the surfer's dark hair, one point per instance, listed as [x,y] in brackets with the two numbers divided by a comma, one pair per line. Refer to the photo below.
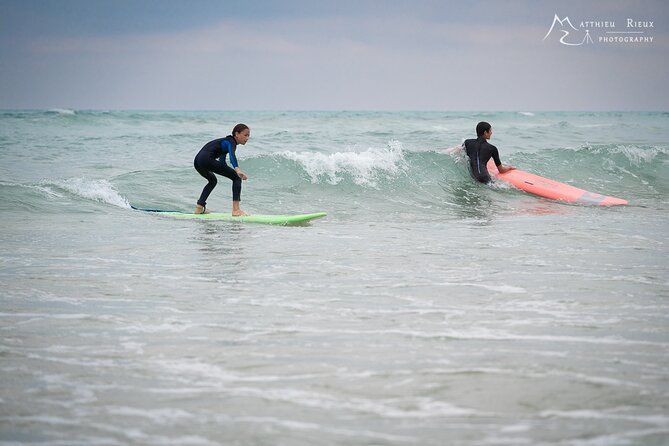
[481,128]
[239,128]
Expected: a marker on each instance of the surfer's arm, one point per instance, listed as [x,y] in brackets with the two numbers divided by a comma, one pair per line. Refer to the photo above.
[241,174]
[231,153]
[501,167]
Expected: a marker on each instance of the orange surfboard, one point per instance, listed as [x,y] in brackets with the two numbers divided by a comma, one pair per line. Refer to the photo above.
[545,187]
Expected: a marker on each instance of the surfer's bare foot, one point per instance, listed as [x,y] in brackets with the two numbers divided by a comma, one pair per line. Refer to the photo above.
[199,209]
[236,211]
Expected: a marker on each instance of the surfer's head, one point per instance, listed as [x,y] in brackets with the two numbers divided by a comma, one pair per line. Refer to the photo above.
[241,133]
[483,129]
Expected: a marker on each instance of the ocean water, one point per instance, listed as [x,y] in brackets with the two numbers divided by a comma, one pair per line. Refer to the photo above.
[424,309]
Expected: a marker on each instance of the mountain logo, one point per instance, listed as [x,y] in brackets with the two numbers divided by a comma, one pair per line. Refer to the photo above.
[571,36]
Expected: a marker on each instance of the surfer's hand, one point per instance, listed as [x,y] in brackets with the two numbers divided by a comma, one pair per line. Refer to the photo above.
[241,174]
[505,168]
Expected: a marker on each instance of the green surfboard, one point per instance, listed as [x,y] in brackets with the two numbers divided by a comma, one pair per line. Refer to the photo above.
[283,220]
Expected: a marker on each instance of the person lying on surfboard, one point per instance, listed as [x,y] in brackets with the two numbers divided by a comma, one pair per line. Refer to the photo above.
[480,151]
[211,159]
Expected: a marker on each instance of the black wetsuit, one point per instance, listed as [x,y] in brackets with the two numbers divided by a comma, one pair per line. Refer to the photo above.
[211,159]
[479,152]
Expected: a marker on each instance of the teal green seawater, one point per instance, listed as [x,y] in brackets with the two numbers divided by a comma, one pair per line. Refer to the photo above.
[424,309]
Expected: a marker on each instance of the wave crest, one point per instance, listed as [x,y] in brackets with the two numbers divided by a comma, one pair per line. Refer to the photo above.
[636,155]
[363,167]
[97,190]
[62,111]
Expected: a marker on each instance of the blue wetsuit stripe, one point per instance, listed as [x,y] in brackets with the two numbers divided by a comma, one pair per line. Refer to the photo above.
[233,158]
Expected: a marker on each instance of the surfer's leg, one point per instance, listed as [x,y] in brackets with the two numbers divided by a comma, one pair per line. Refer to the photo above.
[230,173]
[208,188]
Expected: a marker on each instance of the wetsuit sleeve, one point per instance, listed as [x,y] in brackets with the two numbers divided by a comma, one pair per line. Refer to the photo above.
[231,153]
[495,156]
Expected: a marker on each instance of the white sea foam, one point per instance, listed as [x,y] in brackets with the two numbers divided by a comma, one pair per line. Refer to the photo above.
[62,111]
[612,415]
[638,156]
[417,407]
[97,190]
[304,426]
[364,167]
[159,416]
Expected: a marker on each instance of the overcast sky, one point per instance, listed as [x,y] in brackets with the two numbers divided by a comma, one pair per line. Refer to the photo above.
[331,55]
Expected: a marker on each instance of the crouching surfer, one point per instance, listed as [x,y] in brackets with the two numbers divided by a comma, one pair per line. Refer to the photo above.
[210,160]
